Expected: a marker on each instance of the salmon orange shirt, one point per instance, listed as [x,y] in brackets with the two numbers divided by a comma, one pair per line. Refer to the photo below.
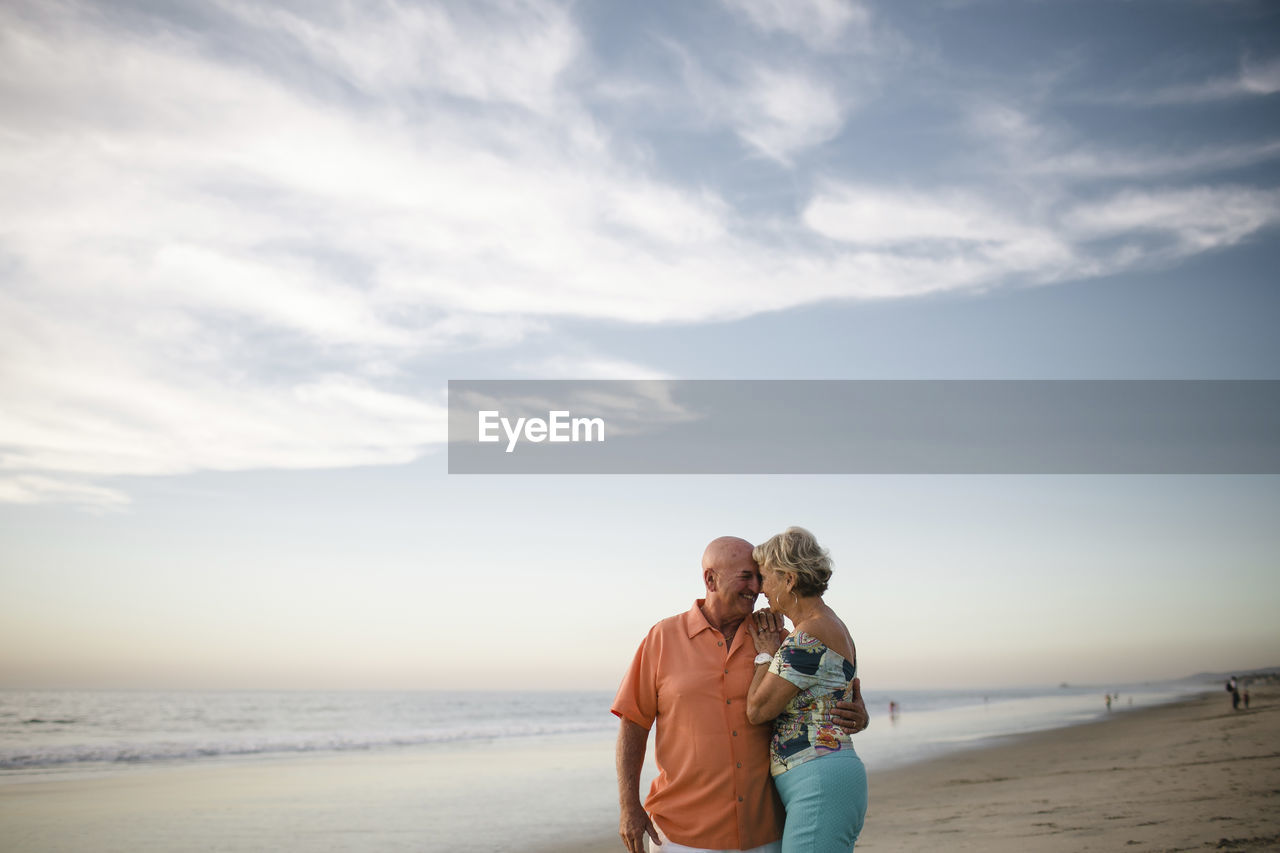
[713,788]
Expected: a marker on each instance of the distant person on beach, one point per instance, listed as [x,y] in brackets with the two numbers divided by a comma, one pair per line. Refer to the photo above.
[1108,701]
[818,774]
[690,676]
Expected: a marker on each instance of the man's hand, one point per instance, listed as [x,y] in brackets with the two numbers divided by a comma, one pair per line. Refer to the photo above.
[851,716]
[633,826]
[634,822]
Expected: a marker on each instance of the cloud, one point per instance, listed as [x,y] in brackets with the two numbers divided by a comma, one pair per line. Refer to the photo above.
[252,247]
[1091,162]
[32,489]
[589,366]
[909,243]
[510,52]
[213,270]
[1255,78]
[778,103]
[79,401]
[1260,78]
[822,24]
[1031,150]
[1198,218]
[783,112]
[876,217]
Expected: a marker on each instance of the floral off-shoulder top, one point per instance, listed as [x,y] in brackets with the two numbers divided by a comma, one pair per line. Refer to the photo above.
[804,731]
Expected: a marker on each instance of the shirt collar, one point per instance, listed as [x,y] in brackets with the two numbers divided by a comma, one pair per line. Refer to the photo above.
[695,622]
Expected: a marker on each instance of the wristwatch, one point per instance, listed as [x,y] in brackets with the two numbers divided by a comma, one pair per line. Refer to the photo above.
[763,657]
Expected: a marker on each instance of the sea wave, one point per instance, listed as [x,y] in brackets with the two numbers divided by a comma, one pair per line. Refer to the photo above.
[61,755]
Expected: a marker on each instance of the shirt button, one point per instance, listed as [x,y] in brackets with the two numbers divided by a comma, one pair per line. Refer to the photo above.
[728,701]
[735,734]
[739,764]
[726,672]
[739,799]
[720,642]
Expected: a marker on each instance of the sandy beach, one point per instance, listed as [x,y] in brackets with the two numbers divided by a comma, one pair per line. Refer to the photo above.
[1193,775]
[1188,776]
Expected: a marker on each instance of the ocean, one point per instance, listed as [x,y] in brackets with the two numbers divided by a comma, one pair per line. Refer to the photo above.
[43,731]
[412,770]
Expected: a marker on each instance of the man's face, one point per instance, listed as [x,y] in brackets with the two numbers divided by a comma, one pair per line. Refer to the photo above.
[737,587]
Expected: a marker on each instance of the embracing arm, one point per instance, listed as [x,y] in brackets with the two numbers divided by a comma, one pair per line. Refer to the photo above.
[634,821]
[852,715]
[768,693]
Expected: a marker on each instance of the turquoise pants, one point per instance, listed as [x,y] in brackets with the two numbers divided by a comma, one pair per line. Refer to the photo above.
[826,800]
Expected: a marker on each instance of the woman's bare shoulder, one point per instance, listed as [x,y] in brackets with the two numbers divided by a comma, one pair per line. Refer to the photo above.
[832,633]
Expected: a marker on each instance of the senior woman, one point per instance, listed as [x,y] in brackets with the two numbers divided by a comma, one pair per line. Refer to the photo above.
[798,679]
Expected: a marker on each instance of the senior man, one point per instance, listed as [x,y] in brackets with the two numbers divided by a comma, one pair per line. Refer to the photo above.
[690,675]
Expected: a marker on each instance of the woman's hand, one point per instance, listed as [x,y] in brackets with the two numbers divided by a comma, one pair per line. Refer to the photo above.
[767,631]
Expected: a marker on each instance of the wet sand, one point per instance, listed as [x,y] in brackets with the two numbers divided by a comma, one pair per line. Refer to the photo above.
[1190,776]
[1194,775]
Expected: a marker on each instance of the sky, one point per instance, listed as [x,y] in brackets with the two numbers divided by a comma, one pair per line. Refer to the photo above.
[244,246]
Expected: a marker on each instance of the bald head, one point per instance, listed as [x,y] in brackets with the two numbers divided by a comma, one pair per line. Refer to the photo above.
[726,552]
[732,581]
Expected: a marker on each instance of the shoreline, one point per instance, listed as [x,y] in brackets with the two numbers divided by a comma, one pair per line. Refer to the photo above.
[1186,775]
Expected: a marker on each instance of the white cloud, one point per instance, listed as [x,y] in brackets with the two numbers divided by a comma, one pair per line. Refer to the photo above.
[1085,162]
[284,293]
[34,489]
[777,107]
[876,217]
[1200,218]
[79,400]
[506,52]
[590,366]
[822,24]
[784,112]
[1007,125]
[907,243]
[1260,78]
[210,266]
[1031,151]
[1256,78]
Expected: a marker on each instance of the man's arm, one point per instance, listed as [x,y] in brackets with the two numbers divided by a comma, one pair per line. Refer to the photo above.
[852,716]
[634,822]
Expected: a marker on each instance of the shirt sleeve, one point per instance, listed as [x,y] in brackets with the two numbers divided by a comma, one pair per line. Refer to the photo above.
[798,662]
[637,697]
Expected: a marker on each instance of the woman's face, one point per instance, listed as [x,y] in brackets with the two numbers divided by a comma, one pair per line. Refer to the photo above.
[774,587]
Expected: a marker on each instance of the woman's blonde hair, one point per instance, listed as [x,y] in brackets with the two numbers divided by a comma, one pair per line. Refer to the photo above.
[796,550]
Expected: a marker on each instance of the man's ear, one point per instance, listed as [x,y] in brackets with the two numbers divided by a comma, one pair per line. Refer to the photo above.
[709,578]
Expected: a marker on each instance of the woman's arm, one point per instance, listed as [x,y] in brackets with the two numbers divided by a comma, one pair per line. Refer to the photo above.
[768,695]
